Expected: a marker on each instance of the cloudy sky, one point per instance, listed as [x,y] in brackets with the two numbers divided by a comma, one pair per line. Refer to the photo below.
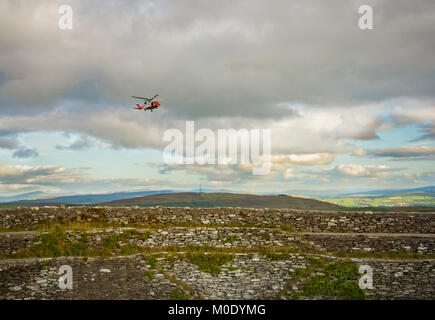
[349,109]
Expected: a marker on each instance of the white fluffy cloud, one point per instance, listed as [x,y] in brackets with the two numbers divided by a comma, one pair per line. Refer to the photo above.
[356,170]
[303,159]
[57,179]
[351,172]
[312,136]
[289,174]
[46,174]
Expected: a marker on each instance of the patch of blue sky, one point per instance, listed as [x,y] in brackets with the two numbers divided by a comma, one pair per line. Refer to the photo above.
[396,137]
[102,160]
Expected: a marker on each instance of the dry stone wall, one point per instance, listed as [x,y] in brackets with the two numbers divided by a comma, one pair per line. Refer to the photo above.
[303,221]
[398,243]
[406,279]
[93,278]
[231,237]
[245,277]
[11,242]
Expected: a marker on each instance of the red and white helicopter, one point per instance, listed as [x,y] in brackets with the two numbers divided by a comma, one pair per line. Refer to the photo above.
[154,104]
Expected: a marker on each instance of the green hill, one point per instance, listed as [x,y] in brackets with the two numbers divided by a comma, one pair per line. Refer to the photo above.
[406,199]
[207,200]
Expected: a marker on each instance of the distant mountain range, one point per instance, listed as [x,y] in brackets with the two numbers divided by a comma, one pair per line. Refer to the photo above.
[23,196]
[430,189]
[79,199]
[424,196]
[340,193]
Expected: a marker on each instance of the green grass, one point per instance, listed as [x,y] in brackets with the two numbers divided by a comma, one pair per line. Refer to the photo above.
[100,225]
[232,239]
[144,237]
[44,264]
[276,256]
[178,295]
[344,270]
[288,227]
[128,249]
[54,244]
[151,261]
[335,279]
[340,280]
[148,274]
[265,237]
[231,268]
[390,200]
[315,263]
[58,246]
[112,241]
[51,226]
[325,286]
[180,284]
[210,263]
[385,255]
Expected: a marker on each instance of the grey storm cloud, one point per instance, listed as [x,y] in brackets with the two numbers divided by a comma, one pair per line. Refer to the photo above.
[19,151]
[240,64]
[220,58]
[321,131]
[8,143]
[23,153]
[428,131]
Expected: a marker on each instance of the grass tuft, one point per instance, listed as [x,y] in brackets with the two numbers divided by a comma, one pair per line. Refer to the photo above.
[339,281]
[148,274]
[178,295]
[210,263]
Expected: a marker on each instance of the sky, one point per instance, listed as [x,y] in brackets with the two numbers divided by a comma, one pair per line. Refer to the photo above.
[348,109]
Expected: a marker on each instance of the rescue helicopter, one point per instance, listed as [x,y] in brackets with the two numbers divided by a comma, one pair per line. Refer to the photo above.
[153,104]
